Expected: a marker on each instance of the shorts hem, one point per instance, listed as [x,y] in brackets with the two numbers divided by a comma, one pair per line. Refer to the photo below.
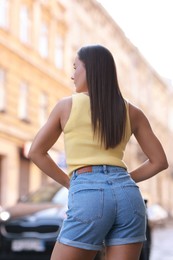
[79,244]
[123,241]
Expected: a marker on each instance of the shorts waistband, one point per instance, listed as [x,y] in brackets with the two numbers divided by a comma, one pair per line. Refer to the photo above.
[92,168]
[84,169]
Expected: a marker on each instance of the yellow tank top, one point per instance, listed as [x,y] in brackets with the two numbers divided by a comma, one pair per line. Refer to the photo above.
[81,148]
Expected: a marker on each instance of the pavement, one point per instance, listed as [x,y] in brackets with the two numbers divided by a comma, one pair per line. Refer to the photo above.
[162,242]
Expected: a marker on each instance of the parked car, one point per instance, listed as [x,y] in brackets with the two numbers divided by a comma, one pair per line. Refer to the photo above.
[34,224]
[4,215]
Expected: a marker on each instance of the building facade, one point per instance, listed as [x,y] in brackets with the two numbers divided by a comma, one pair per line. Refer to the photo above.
[32,78]
[38,43]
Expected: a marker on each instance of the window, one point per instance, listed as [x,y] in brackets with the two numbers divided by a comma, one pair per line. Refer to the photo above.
[4,13]
[59,52]
[25,25]
[23,102]
[43,108]
[43,42]
[2,91]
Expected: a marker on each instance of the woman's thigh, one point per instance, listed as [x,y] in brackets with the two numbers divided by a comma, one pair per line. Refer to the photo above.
[64,252]
[124,252]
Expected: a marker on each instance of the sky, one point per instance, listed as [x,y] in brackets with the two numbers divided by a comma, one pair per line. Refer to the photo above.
[148,24]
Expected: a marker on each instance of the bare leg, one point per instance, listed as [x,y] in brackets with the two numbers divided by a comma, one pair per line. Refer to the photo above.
[64,252]
[124,252]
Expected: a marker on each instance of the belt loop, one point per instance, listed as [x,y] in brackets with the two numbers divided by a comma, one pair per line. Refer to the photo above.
[105,169]
[74,175]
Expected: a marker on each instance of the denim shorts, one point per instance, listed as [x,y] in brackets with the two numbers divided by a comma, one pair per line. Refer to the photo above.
[105,208]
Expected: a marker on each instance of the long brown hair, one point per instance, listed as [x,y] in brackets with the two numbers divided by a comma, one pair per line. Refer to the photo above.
[108,111]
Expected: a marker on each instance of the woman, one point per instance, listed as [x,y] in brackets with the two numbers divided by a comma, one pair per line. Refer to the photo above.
[105,206]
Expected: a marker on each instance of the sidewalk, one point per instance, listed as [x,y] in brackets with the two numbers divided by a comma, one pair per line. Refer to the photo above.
[162,242]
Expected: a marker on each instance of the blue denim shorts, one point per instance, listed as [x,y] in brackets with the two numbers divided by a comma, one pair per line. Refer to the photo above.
[105,208]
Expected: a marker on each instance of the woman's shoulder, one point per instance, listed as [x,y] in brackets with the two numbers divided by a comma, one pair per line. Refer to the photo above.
[136,115]
[69,99]
[63,109]
[63,104]
[65,100]
[134,110]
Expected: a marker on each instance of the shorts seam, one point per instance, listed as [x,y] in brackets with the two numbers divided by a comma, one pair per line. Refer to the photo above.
[122,241]
[79,244]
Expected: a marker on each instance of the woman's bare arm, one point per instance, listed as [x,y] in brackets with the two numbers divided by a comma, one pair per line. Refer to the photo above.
[44,140]
[150,145]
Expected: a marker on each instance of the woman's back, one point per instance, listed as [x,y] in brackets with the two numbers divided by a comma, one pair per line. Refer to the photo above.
[87,148]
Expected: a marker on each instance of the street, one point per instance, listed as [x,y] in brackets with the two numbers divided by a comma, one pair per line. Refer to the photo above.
[162,242]
[161,248]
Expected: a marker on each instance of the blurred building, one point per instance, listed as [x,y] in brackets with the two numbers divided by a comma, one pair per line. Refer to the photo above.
[33,76]
[38,43]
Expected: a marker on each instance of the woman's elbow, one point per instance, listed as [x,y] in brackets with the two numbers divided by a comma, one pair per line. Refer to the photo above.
[166,165]
[31,154]
[163,165]
[35,154]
